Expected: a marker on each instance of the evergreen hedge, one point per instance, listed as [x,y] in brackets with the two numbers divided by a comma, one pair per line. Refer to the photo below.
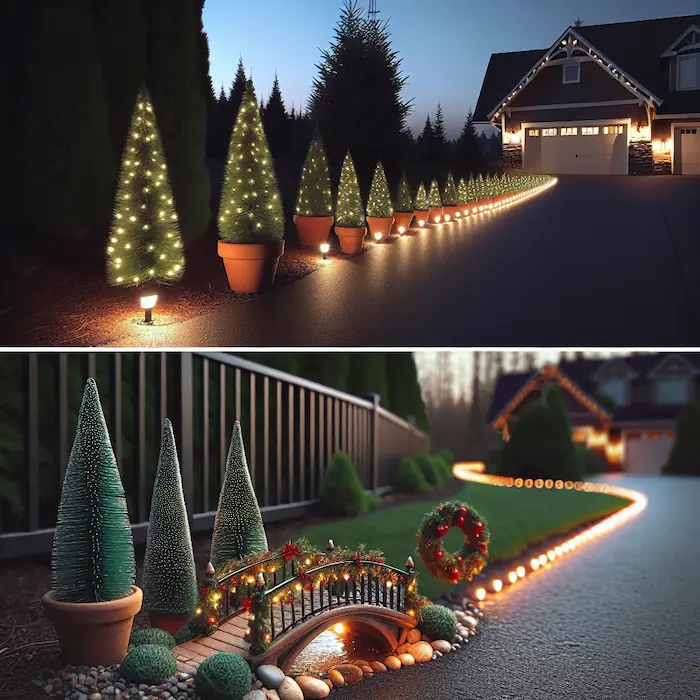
[342,492]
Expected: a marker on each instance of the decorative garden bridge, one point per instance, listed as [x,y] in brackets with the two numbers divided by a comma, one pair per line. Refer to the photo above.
[294,605]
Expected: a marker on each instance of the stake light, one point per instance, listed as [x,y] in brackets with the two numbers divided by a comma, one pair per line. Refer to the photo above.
[147,303]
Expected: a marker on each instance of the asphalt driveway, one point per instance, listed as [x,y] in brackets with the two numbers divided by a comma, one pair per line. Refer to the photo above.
[593,261]
[616,620]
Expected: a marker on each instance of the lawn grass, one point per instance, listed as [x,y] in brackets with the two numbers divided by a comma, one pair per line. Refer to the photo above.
[517,519]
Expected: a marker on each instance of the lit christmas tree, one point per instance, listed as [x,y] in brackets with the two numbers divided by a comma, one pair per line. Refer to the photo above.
[480,187]
[462,191]
[404,201]
[434,198]
[449,197]
[251,207]
[421,198]
[349,212]
[93,550]
[314,197]
[169,574]
[238,527]
[472,192]
[379,203]
[145,243]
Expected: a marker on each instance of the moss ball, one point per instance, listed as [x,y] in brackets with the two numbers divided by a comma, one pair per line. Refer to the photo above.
[152,635]
[223,676]
[148,663]
[438,622]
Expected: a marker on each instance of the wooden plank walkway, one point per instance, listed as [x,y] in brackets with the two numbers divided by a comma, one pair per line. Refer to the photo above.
[229,635]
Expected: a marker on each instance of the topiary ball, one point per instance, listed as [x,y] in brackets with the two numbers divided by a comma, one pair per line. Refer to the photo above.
[186,632]
[152,635]
[148,663]
[437,622]
[223,676]
[409,478]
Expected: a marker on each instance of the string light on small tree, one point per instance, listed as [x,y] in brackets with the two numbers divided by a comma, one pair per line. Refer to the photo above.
[435,201]
[421,203]
[145,243]
[379,203]
[314,197]
[404,200]
[350,212]
[449,197]
[251,206]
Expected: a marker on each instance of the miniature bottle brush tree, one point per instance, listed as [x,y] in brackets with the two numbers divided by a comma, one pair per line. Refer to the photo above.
[380,211]
[403,214]
[421,211]
[145,244]
[434,203]
[449,198]
[350,212]
[251,219]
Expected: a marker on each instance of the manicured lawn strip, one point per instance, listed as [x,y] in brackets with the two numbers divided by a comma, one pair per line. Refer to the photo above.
[517,518]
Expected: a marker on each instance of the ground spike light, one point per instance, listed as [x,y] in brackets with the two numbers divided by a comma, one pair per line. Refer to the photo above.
[325,247]
[148,302]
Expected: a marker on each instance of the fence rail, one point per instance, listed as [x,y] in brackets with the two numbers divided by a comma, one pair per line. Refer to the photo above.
[291,428]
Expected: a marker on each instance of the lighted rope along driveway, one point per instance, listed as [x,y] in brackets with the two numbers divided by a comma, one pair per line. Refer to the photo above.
[617,619]
[589,262]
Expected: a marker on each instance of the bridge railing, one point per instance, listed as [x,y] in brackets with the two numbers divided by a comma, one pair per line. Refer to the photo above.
[291,427]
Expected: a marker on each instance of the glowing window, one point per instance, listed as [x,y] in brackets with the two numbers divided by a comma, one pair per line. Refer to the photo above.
[533,132]
[549,132]
[569,131]
[590,130]
[613,129]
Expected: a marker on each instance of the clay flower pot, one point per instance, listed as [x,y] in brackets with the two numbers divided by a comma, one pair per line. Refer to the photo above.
[451,211]
[93,634]
[402,222]
[351,238]
[313,230]
[381,224]
[168,621]
[421,215]
[250,267]
[435,215]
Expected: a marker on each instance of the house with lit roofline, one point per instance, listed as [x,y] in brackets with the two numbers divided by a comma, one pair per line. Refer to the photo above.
[606,99]
[624,407]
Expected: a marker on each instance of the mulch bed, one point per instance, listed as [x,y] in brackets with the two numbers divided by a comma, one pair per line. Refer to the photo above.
[61,297]
[27,639]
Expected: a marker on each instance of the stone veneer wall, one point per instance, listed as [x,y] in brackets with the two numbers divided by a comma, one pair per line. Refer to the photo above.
[512,157]
[641,158]
[662,163]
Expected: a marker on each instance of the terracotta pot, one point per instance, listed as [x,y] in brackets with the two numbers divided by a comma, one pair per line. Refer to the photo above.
[93,634]
[421,215]
[313,230]
[402,220]
[250,267]
[382,224]
[469,208]
[351,239]
[450,210]
[435,215]
[168,621]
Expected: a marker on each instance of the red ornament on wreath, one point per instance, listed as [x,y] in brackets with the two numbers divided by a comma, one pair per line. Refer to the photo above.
[464,564]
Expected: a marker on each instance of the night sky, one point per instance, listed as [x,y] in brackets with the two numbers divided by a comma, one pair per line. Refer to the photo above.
[445,44]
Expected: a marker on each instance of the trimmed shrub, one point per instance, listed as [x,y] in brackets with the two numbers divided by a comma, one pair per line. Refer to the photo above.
[437,622]
[409,478]
[152,635]
[685,453]
[342,492]
[431,471]
[186,632]
[447,456]
[591,462]
[223,676]
[148,663]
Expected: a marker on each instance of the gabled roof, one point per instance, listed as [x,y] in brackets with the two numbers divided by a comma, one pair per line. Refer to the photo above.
[633,48]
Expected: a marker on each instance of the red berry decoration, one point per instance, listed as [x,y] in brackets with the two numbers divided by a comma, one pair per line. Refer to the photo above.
[464,564]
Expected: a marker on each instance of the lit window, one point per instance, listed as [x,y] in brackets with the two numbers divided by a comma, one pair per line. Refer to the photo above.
[613,129]
[673,391]
[533,132]
[688,72]
[549,132]
[689,131]
[571,73]
[569,131]
[590,130]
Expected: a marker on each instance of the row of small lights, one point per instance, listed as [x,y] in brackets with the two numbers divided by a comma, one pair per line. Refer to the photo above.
[473,471]
[511,199]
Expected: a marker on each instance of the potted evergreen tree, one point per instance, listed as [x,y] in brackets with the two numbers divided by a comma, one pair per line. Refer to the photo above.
[403,214]
[238,527]
[481,194]
[170,591]
[462,198]
[93,600]
[380,211]
[314,209]
[421,211]
[251,220]
[472,194]
[434,203]
[350,212]
[449,199]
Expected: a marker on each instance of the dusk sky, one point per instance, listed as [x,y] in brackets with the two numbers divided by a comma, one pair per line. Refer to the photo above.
[445,44]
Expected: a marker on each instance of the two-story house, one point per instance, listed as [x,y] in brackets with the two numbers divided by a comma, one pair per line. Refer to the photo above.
[618,98]
[625,407]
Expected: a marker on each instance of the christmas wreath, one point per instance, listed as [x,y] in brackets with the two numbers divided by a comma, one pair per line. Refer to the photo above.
[470,559]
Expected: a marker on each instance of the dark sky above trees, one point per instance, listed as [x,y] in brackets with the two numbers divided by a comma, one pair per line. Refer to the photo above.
[445,44]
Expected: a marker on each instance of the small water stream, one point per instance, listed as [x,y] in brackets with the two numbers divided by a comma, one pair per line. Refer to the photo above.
[333,647]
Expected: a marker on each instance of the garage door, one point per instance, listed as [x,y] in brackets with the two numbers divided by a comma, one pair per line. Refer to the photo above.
[577,149]
[690,151]
[646,453]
